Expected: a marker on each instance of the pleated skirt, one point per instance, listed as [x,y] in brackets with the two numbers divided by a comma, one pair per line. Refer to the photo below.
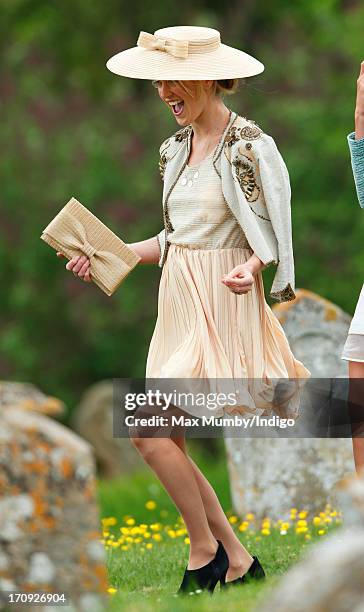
[204,330]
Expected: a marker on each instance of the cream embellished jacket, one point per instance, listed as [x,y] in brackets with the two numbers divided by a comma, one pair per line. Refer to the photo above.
[255,185]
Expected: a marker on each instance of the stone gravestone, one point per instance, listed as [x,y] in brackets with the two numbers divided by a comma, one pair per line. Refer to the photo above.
[268,476]
[28,397]
[331,576]
[49,520]
[317,330]
[93,421]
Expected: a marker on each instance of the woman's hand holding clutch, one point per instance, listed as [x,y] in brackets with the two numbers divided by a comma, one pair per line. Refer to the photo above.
[93,250]
[80,266]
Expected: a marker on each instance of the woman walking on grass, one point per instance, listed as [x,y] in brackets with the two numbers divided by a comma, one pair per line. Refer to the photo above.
[226,211]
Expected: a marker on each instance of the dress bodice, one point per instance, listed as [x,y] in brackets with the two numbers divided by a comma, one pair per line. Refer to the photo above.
[199,213]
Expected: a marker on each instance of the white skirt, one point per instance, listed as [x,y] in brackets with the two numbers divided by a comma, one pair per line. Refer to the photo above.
[354,348]
[354,345]
[357,323]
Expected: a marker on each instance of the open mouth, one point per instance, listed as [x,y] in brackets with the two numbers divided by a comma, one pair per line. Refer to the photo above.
[177,108]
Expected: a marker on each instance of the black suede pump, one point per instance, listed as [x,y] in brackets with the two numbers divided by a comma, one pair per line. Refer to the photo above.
[205,578]
[255,572]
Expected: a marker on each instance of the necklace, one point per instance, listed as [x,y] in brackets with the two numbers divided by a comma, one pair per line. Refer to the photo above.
[192,173]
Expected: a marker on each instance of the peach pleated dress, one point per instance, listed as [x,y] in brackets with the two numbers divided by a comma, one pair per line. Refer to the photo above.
[203,329]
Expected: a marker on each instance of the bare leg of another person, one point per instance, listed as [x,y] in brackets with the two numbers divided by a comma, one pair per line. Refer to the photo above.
[356,397]
[239,558]
[176,474]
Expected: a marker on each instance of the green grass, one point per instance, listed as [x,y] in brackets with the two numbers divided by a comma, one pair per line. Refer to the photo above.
[147,578]
[147,581]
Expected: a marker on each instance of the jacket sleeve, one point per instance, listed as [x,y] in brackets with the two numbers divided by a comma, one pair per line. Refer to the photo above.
[277,195]
[357,162]
[161,241]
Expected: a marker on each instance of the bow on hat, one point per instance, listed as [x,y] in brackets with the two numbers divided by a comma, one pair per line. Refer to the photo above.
[177,48]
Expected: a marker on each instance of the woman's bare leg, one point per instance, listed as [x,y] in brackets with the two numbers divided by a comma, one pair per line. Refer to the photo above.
[239,558]
[356,396]
[175,472]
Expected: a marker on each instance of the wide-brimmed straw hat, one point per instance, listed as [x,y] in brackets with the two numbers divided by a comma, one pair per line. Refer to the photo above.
[183,53]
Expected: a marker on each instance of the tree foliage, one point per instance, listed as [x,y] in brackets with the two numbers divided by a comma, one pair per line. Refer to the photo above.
[69,127]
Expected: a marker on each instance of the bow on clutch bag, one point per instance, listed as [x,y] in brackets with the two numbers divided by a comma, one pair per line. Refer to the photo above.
[76,231]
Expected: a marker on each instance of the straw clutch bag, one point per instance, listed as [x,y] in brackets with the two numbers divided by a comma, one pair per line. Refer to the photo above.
[76,231]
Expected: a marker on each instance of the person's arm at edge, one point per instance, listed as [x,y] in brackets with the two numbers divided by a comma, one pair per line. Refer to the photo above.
[356,139]
[359,107]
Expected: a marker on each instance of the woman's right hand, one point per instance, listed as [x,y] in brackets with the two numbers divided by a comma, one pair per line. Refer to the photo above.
[79,265]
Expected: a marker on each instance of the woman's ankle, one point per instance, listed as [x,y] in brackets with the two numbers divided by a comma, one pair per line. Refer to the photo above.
[238,555]
[201,554]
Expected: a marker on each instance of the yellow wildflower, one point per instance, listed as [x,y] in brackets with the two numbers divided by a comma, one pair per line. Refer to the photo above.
[302,514]
[233,519]
[186,540]
[135,530]
[171,533]
[130,521]
[301,523]
[150,505]
[316,520]
[149,545]
[125,547]
[155,527]
[111,590]
[181,532]
[321,531]
[250,516]
[157,537]
[146,534]
[265,532]
[111,520]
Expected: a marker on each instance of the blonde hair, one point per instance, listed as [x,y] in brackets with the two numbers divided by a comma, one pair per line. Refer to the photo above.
[220,87]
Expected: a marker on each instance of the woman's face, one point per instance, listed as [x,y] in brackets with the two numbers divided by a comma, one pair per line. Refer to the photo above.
[186,106]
